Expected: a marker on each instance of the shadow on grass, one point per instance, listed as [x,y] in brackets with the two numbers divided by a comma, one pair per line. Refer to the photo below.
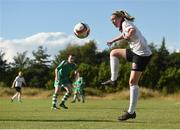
[58,120]
[75,120]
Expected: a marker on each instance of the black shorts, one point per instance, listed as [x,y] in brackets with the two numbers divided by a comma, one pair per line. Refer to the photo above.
[140,61]
[18,89]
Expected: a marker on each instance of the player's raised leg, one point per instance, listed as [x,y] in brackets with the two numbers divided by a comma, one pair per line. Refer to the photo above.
[114,65]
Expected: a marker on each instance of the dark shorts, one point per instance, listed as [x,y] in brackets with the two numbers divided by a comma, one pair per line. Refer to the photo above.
[140,61]
[62,83]
[18,89]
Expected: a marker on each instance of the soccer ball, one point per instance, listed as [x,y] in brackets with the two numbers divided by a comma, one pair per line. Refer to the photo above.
[81,30]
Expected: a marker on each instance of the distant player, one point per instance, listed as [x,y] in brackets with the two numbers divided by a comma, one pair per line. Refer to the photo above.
[78,88]
[62,80]
[17,83]
[139,54]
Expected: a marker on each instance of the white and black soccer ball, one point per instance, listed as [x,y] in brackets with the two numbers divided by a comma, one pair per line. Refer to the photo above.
[81,30]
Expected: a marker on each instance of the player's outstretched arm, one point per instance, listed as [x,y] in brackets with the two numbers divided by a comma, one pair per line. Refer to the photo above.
[109,43]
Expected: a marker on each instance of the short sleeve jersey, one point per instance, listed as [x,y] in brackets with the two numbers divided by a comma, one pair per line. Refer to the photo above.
[65,68]
[137,42]
[18,81]
[79,82]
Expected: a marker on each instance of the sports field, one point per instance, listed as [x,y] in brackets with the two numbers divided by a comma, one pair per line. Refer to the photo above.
[95,113]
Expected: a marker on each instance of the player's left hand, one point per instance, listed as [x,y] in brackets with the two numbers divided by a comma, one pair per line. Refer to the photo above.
[109,43]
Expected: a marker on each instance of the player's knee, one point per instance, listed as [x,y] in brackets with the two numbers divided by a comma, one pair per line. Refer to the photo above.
[116,53]
[113,53]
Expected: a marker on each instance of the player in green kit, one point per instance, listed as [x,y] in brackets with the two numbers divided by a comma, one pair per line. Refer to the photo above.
[62,74]
[78,88]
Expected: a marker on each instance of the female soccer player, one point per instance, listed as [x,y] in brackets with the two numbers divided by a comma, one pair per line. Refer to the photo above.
[139,54]
[62,73]
[19,80]
[78,88]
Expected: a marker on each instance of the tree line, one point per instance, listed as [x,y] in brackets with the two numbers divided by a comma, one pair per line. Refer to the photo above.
[162,73]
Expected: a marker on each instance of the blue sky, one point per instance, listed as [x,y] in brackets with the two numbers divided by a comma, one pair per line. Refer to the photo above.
[23,19]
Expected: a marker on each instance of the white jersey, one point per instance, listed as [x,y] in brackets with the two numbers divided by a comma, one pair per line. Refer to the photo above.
[137,42]
[18,81]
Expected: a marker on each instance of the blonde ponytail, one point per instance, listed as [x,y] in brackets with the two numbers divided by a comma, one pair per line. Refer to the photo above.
[123,14]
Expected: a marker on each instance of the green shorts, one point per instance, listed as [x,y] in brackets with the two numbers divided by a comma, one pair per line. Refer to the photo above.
[77,90]
[61,84]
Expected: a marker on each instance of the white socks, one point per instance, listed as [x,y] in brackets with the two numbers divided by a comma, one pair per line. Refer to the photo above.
[114,63]
[133,98]
[134,89]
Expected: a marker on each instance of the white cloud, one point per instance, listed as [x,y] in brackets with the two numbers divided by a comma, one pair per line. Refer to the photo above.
[53,41]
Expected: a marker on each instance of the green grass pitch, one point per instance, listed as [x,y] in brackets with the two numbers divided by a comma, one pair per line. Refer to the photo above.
[94,114]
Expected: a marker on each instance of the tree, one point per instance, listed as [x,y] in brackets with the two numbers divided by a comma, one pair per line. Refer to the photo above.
[3,68]
[174,60]
[163,54]
[153,47]
[89,73]
[88,53]
[39,71]
[3,63]
[41,58]
[63,55]
[157,65]
[21,62]
[104,72]
[169,81]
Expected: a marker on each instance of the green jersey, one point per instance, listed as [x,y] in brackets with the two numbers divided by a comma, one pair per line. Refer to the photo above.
[79,85]
[64,70]
[79,82]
